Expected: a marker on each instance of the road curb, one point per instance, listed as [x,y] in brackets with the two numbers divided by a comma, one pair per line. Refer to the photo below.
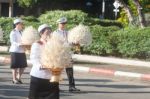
[109,72]
[110,60]
[98,71]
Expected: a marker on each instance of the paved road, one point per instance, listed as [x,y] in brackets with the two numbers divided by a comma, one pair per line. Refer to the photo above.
[92,86]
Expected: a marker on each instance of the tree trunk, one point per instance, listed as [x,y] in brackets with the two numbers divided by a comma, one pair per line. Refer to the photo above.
[140,14]
[0,9]
[10,8]
[127,10]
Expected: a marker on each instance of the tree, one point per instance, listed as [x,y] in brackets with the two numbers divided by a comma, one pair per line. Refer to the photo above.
[22,3]
[26,3]
[140,13]
[133,8]
[127,10]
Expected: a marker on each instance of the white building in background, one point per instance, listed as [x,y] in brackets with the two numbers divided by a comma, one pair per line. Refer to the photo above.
[6,7]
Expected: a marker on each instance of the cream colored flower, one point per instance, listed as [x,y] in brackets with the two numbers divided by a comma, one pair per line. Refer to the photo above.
[29,35]
[80,34]
[56,54]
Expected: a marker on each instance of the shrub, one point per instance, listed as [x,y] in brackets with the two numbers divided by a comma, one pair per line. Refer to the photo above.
[31,21]
[101,42]
[102,22]
[132,42]
[74,17]
[7,25]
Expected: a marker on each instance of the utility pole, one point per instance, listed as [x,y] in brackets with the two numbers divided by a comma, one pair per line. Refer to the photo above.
[11,8]
[103,8]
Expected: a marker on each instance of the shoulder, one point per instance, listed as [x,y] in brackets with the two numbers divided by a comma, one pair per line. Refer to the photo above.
[36,46]
[56,31]
[39,42]
[13,32]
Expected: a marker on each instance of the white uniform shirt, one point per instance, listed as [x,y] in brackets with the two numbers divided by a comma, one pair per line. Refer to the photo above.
[62,33]
[15,40]
[35,58]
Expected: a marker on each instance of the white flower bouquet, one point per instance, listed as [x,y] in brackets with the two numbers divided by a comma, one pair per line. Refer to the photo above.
[56,55]
[80,35]
[29,36]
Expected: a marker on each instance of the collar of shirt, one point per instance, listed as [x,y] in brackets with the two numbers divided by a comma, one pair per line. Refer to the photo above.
[18,31]
[61,30]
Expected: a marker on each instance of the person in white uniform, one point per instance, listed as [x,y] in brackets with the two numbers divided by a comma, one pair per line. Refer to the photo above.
[18,57]
[40,85]
[63,33]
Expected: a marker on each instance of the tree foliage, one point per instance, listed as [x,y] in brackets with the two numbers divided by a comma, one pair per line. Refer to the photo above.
[26,3]
[146,5]
[138,8]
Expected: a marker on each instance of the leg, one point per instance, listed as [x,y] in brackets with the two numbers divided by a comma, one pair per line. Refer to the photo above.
[20,72]
[70,76]
[14,76]
[33,89]
[69,72]
[22,63]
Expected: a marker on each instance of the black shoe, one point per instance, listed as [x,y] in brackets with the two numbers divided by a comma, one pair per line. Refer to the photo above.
[61,90]
[20,82]
[73,89]
[15,82]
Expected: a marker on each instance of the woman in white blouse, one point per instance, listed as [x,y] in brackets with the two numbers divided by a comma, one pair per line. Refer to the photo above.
[40,85]
[18,57]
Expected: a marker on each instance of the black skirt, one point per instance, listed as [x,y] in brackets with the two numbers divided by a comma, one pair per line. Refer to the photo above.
[18,60]
[43,89]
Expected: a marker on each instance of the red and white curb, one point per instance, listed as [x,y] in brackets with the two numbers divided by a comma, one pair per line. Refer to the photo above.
[98,71]
[4,60]
[109,72]
[110,60]
[4,48]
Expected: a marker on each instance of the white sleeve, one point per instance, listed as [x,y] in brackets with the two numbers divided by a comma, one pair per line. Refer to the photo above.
[13,39]
[35,54]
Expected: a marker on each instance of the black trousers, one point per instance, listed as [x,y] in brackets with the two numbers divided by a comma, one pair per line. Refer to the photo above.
[43,89]
[70,73]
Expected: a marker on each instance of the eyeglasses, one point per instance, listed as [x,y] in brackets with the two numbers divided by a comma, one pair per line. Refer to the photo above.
[64,23]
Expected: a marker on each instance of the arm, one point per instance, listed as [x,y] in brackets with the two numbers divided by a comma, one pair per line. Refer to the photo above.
[13,39]
[35,54]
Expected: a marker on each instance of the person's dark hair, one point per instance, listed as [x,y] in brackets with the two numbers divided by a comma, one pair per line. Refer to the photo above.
[14,25]
[42,31]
